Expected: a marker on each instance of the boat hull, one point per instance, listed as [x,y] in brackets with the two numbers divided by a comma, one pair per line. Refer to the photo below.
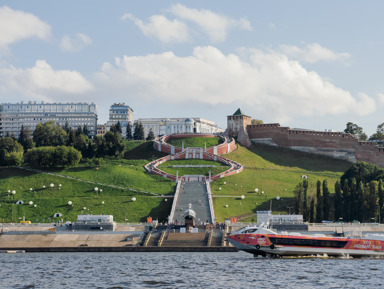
[289,245]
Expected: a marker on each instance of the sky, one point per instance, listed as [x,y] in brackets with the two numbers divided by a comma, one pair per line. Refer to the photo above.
[304,64]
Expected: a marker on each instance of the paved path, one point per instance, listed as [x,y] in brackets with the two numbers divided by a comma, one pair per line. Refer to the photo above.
[194,193]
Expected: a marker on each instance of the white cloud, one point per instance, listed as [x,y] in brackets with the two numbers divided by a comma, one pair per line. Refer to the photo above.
[161,28]
[268,84]
[17,25]
[76,43]
[313,53]
[381,97]
[215,25]
[42,82]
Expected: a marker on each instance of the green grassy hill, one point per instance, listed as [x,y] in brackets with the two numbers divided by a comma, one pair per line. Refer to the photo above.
[195,141]
[272,170]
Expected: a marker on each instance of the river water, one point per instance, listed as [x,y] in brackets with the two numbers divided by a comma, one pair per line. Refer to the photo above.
[184,270]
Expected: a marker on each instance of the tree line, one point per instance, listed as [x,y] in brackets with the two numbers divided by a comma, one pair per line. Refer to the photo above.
[359,196]
[358,131]
[50,144]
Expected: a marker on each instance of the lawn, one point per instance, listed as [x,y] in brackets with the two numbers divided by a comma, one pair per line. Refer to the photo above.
[274,171]
[201,142]
[169,167]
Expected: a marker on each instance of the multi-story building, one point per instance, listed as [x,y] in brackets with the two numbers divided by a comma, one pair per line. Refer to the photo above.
[13,116]
[162,126]
[118,112]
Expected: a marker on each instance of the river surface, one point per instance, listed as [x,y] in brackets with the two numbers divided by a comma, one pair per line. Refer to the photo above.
[184,270]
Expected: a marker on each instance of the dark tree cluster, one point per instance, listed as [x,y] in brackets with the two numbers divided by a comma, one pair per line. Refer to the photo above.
[50,140]
[359,196]
[313,207]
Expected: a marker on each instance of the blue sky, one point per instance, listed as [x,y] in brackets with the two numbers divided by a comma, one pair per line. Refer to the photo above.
[305,64]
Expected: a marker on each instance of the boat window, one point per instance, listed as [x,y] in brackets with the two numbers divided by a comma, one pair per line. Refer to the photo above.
[308,242]
[250,231]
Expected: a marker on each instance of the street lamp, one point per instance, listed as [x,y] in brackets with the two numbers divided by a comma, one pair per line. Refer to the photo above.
[69,203]
[133,199]
[96,189]
[51,185]
[270,205]
[30,203]
[242,197]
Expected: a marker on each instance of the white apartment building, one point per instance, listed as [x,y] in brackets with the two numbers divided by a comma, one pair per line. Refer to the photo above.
[161,126]
[13,116]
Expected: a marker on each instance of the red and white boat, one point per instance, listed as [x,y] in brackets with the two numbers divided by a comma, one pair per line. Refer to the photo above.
[265,242]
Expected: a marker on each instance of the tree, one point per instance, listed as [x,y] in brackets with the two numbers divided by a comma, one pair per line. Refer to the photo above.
[298,192]
[379,135]
[257,121]
[345,204]
[372,200]
[305,200]
[381,201]
[312,210]
[66,127]
[86,131]
[114,145]
[139,132]
[355,130]
[11,152]
[118,127]
[25,138]
[151,135]
[129,132]
[326,202]
[364,172]
[49,134]
[319,203]
[360,201]
[338,201]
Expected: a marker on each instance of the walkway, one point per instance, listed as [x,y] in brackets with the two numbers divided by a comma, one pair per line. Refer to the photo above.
[194,193]
[196,190]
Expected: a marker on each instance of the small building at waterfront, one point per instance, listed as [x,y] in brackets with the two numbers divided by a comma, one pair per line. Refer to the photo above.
[94,223]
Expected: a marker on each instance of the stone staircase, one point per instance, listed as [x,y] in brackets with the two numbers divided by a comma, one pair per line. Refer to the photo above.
[185,240]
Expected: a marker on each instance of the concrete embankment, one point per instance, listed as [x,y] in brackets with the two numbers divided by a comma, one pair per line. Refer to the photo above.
[62,240]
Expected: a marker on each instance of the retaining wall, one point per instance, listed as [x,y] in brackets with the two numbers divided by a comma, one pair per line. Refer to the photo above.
[335,144]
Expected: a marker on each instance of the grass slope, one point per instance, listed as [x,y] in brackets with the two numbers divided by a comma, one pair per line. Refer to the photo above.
[273,170]
[277,172]
[195,141]
[218,167]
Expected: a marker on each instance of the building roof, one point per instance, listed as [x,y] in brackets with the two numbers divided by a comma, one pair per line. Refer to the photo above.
[238,112]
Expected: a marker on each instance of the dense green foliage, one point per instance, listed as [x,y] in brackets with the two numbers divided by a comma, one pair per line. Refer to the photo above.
[363,172]
[62,156]
[11,152]
[359,195]
[138,133]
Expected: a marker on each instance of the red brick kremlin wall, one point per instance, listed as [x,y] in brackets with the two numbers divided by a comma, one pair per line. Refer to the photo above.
[337,144]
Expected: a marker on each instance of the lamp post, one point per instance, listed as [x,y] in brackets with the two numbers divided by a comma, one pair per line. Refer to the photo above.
[270,205]
[133,199]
